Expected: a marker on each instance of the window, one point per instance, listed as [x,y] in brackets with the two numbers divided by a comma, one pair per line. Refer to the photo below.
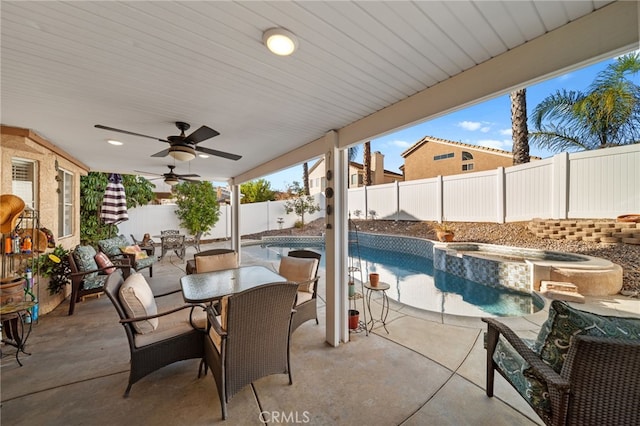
[65,203]
[466,156]
[356,178]
[467,167]
[310,183]
[323,183]
[23,181]
[443,156]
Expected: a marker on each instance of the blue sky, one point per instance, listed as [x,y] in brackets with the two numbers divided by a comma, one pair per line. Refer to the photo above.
[485,124]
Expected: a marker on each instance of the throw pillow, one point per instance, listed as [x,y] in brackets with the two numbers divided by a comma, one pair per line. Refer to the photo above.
[298,270]
[134,249]
[137,299]
[104,262]
[564,322]
[216,262]
[84,258]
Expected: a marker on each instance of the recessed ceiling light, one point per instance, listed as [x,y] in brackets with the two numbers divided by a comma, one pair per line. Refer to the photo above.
[203,156]
[114,142]
[280,41]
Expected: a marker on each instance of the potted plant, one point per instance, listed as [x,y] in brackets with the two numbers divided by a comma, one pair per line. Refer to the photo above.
[444,231]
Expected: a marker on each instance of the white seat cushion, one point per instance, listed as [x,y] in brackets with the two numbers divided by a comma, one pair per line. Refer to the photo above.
[216,262]
[299,270]
[138,301]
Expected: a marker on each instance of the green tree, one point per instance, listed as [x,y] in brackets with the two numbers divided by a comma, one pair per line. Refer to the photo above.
[520,133]
[198,208]
[138,190]
[300,204]
[257,191]
[607,114]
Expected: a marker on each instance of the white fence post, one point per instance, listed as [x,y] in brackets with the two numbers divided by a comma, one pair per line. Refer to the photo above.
[440,198]
[397,188]
[500,195]
[560,185]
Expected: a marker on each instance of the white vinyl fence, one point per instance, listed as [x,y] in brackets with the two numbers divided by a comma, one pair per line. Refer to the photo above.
[254,217]
[603,183]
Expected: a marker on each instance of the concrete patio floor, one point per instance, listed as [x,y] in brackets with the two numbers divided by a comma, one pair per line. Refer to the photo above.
[429,370]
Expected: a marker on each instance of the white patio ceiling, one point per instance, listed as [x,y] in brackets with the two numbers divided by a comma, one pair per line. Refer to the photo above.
[362,68]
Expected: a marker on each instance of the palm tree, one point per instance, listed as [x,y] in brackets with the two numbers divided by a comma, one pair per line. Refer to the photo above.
[608,114]
[366,163]
[519,129]
[305,177]
[352,153]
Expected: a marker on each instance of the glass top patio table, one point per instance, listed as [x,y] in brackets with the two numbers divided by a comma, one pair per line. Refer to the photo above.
[210,286]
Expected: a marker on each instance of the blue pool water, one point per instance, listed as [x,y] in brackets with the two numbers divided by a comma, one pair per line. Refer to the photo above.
[415,282]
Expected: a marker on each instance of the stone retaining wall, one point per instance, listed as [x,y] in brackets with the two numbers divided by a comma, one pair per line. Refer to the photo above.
[599,231]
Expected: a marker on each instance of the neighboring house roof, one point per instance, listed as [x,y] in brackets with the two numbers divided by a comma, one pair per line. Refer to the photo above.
[353,164]
[428,139]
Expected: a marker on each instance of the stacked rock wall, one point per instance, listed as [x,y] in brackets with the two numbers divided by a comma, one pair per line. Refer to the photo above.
[599,231]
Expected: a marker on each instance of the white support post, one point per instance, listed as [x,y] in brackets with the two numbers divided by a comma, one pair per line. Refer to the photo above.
[235,217]
[336,243]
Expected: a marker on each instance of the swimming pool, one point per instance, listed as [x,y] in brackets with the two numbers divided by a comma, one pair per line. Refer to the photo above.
[415,282]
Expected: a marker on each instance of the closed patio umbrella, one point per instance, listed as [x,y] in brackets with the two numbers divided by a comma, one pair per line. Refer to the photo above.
[114,202]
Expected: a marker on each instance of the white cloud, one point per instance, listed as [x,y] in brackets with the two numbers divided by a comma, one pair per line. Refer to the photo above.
[470,125]
[400,144]
[505,132]
[485,129]
[504,144]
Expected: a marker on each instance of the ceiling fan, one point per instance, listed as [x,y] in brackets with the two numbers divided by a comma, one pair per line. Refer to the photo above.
[182,148]
[171,178]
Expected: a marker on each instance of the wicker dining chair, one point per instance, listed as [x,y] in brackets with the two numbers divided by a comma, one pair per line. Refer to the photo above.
[250,339]
[306,275]
[220,253]
[156,339]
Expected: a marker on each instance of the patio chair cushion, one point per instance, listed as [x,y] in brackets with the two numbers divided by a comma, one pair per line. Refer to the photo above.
[298,269]
[138,301]
[103,261]
[534,390]
[111,246]
[216,262]
[222,319]
[303,296]
[84,257]
[564,322]
[134,249]
[96,281]
[172,325]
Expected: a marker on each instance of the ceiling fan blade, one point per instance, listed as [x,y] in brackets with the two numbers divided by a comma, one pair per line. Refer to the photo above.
[148,173]
[162,153]
[222,154]
[189,180]
[188,176]
[202,134]
[100,126]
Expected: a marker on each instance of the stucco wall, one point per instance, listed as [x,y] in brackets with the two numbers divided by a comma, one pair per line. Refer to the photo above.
[24,144]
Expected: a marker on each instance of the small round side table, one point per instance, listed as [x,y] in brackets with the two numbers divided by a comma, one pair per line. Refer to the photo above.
[383,287]
[13,316]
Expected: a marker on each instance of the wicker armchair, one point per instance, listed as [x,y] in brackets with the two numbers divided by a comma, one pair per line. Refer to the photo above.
[112,247]
[306,275]
[155,339]
[250,339]
[574,374]
[87,277]
[191,263]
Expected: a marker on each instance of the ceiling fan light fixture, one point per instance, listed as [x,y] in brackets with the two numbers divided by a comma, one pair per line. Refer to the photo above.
[182,153]
[280,41]
[171,180]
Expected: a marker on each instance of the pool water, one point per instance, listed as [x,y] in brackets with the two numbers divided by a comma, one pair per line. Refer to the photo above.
[415,282]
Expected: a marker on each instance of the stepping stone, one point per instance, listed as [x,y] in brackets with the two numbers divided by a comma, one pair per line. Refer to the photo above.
[563,295]
[546,285]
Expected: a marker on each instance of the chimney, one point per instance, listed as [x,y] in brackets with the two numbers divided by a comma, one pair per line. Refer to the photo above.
[377,168]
